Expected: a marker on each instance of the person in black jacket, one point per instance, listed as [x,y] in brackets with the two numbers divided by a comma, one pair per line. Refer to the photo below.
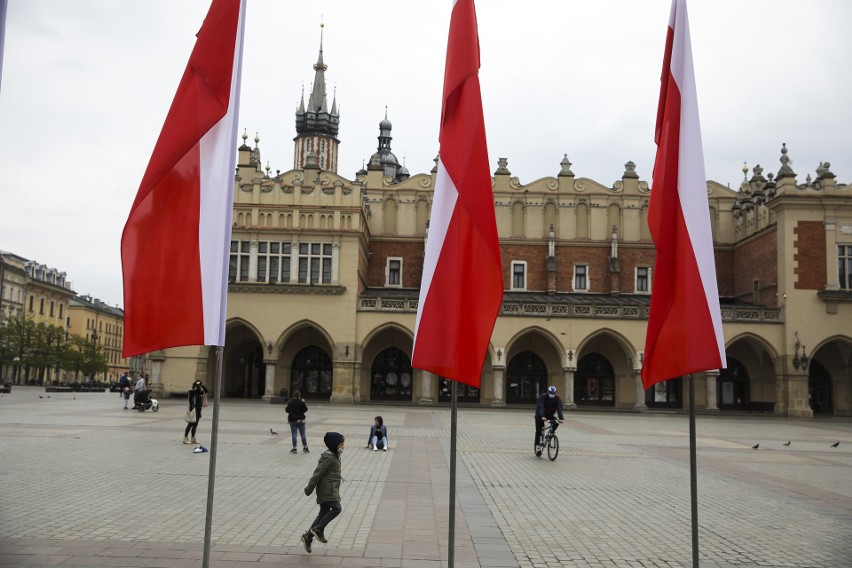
[296,409]
[195,395]
[547,407]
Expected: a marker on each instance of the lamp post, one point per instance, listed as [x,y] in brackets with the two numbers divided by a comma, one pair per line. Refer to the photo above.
[94,353]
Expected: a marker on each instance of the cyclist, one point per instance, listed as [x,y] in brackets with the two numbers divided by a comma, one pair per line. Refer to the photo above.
[547,407]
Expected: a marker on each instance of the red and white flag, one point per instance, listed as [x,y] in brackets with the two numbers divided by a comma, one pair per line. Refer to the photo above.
[685,325]
[462,285]
[175,245]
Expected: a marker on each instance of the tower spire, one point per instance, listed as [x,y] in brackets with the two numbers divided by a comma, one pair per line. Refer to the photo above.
[317,102]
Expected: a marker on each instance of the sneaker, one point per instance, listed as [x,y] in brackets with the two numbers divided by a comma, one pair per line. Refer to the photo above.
[385,449]
[306,450]
[538,453]
[293,451]
[306,542]
[319,534]
[375,449]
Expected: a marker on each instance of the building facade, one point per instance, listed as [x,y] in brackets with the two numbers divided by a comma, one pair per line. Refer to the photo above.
[39,293]
[103,326]
[325,273]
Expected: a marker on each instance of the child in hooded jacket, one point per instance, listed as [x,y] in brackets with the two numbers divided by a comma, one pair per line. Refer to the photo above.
[326,480]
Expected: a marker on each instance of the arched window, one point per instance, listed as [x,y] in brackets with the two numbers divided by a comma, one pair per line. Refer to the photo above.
[819,389]
[582,213]
[526,378]
[391,376]
[594,381]
[311,373]
[732,386]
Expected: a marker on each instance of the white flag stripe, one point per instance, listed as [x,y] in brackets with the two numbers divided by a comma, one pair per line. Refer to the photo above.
[692,184]
[216,204]
[443,205]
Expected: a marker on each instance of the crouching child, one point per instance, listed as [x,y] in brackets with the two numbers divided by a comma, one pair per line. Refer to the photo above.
[326,480]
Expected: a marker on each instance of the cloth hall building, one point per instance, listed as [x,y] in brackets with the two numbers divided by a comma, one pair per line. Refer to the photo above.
[325,273]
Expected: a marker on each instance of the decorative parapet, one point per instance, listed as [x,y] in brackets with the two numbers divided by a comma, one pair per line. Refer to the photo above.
[264,288]
[576,310]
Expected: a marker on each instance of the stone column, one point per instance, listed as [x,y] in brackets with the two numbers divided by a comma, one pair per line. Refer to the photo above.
[639,405]
[156,385]
[710,378]
[499,390]
[253,261]
[269,386]
[798,403]
[425,387]
[568,387]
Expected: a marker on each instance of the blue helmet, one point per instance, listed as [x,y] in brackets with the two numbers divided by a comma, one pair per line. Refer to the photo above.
[551,390]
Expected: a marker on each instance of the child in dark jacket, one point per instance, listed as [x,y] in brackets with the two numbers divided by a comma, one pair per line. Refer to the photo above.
[326,480]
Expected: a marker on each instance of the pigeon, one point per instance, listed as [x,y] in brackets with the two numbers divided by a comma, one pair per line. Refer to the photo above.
[787,443]
[273,432]
[754,447]
[40,396]
[835,444]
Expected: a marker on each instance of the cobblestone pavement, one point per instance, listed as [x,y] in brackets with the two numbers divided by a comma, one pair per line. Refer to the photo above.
[84,483]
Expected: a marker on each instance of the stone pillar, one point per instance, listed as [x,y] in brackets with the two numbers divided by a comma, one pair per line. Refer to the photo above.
[710,378]
[639,405]
[568,387]
[156,384]
[343,389]
[269,386]
[425,387]
[253,261]
[499,389]
[798,403]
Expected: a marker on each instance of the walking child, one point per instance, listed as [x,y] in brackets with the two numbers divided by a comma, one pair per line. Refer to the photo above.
[326,480]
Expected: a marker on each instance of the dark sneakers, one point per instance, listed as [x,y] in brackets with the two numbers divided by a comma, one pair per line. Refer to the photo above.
[319,535]
[293,451]
[306,450]
[306,542]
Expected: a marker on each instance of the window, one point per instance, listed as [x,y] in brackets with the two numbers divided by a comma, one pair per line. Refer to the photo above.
[844,266]
[238,265]
[41,307]
[394,272]
[643,279]
[519,275]
[51,309]
[31,303]
[60,311]
[581,278]
[314,263]
[273,260]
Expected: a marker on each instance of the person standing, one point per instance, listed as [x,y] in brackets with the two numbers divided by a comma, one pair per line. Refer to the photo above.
[137,390]
[547,407]
[195,395]
[326,480]
[124,389]
[296,409]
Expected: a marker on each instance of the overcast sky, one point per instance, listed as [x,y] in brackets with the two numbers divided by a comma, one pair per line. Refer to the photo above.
[86,85]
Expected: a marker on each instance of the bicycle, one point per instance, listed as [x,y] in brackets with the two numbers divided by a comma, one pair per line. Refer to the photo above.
[549,441]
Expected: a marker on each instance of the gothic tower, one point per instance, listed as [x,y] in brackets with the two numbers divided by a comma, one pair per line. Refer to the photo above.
[316,125]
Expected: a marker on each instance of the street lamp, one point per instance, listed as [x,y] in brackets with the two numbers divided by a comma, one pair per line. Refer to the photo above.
[800,361]
[94,353]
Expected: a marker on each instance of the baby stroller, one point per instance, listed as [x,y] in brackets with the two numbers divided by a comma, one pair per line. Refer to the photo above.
[143,401]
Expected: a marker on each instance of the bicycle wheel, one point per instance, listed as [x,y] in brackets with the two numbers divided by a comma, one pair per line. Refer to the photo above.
[553,447]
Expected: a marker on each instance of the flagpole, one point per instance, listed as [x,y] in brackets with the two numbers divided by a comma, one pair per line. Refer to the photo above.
[211,476]
[451,538]
[693,471]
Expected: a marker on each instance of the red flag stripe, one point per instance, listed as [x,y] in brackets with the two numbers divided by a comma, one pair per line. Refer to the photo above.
[684,328]
[175,242]
[462,284]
